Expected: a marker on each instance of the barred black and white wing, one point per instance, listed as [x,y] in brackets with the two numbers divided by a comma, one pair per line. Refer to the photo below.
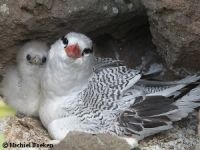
[99,104]
[106,87]
[102,63]
[111,99]
[117,101]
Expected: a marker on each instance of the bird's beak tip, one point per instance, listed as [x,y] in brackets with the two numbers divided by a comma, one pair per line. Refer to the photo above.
[73,51]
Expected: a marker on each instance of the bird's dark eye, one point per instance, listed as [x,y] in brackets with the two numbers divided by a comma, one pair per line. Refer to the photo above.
[64,40]
[87,51]
[28,57]
[44,59]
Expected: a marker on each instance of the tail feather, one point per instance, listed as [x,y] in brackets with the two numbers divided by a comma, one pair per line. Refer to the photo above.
[148,116]
[188,80]
[153,106]
[157,111]
[186,104]
[178,88]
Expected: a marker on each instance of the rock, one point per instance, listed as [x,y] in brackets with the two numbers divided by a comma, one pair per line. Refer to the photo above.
[25,130]
[83,141]
[199,123]
[3,123]
[197,147]
[47,20]
[175,27]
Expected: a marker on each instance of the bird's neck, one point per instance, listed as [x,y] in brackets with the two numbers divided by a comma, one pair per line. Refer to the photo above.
[62,78]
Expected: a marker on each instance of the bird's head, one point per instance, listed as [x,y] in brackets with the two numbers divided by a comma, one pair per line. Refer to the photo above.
[33,53]
[75,48]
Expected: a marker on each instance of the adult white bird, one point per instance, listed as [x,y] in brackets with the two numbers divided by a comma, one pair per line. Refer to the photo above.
[81,93]
[20,86]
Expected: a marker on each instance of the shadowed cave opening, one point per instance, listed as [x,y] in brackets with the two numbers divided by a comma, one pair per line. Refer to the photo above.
[135,48]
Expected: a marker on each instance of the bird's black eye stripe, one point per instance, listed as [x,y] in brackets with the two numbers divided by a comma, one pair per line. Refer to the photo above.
[44,59]
[28,57]
[64,40]
[87,51]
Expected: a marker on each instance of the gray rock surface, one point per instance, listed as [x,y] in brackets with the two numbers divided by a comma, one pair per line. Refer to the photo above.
[83,141]
[25,129]
[198,118]
[3,123]
[175,27]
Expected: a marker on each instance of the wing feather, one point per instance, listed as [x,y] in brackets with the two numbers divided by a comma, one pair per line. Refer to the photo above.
[148,116]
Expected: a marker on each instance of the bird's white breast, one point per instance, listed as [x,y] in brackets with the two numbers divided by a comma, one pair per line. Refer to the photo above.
[60,87]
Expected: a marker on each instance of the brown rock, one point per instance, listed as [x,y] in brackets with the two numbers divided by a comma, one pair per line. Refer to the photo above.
[175,27]
[199,123]
[83,141]
[25,130]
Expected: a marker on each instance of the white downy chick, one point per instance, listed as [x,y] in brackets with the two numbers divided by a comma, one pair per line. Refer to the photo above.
[20,86]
